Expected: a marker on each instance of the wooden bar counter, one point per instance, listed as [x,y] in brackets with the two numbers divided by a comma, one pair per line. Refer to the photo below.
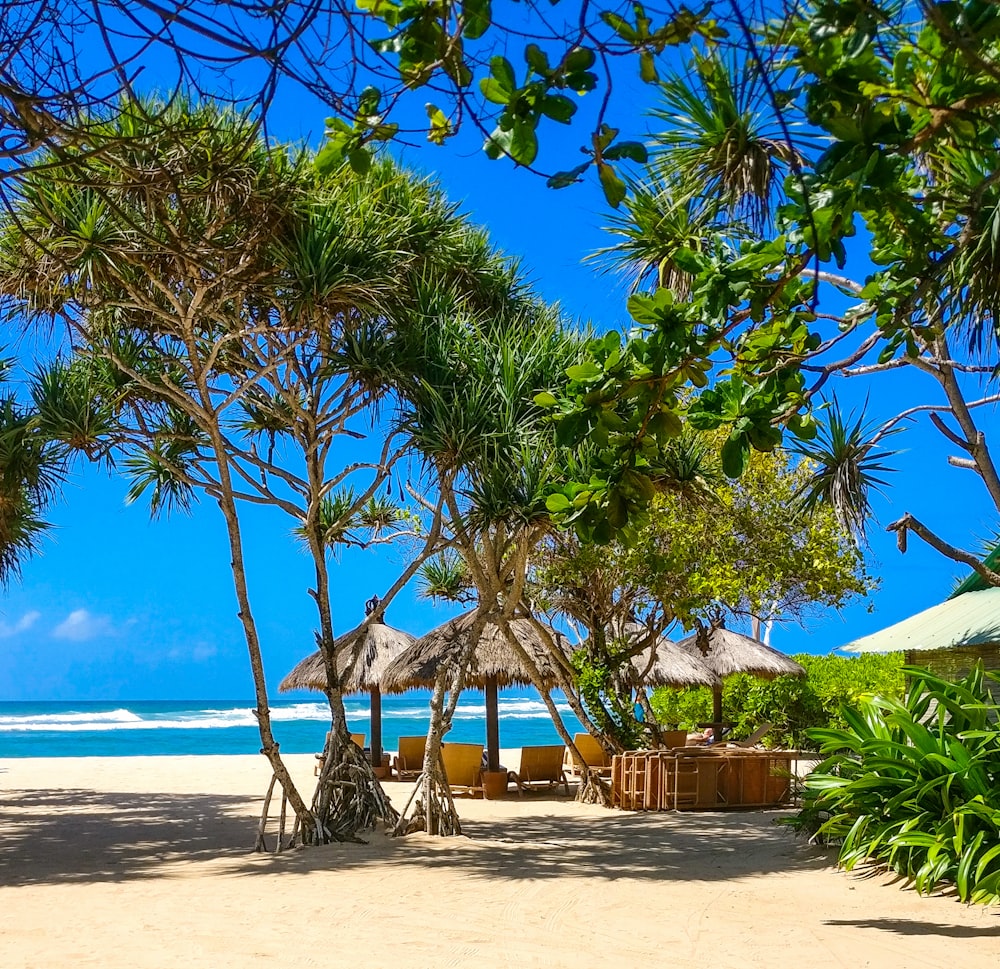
[702,778]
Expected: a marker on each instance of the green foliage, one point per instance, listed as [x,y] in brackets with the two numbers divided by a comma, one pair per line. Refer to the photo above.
[610,707]
[792,705]
[914,786]
[882,116]
[32,467]
[451,48]
[705,546]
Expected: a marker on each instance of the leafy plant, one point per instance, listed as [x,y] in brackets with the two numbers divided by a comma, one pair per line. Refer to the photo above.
[792,705]
[914,786]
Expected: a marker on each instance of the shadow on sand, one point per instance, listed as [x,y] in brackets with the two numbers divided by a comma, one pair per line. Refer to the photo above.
[79,836]
[910,927]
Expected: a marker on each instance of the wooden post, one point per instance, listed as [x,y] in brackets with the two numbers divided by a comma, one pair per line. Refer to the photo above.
[717,704]
[492,725]
[375,695]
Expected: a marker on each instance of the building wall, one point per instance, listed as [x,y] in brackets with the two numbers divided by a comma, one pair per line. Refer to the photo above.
[958,661]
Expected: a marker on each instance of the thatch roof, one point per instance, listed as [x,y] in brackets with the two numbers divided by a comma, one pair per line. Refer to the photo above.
[731,652]
[375,649]
[420,664]
[670,665]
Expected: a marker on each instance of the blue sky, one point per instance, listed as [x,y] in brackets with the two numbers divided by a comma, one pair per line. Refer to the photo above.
[119,607]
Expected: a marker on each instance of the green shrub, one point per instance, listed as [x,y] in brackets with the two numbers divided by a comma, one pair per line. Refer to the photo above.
[915,786]
[791,704]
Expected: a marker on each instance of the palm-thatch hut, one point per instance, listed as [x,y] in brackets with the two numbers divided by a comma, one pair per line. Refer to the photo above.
[664,663]
[363,656]
[726,652]
[493,664]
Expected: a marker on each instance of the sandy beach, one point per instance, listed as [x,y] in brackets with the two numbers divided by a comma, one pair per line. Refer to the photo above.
[144,862]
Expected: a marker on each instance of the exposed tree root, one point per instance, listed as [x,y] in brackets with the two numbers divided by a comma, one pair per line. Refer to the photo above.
[348,798]
[433,808]
[593,790]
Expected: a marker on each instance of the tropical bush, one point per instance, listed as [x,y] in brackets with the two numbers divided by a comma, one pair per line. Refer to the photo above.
[914,786]
[792,705]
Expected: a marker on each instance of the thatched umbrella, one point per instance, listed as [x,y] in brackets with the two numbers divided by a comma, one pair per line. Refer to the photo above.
[370,651]
[664,663]
[726,652]
[493,664]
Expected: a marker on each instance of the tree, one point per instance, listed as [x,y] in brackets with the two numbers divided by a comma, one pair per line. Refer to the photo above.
[746,550]
[32,467]
[223,297]
[768,319]
[488,452]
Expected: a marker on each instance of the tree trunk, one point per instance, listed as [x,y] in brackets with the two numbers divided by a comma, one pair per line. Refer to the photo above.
[269,746]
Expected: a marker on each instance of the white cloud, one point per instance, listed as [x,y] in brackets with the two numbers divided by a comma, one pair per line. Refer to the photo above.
[25,622]
[81,625]
[196,652]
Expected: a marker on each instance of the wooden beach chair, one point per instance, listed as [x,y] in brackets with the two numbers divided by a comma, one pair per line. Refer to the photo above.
[356,738]
[540,766]
[593,754]
[409,762]
[752,740]
[463,767]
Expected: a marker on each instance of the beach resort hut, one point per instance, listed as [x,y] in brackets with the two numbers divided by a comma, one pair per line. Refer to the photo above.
[665,663]
[949,638]
[362,658]
[493,664]
[726,652]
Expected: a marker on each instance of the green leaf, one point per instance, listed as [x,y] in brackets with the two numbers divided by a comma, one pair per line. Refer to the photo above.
[494,91]
[537,60]
[585,372]
[567,178]
[545,399]
[632,150]
[617,509]
[735,456]
[502,71]
[557,503]
[647,67]
[614,187]
[360,160]
[476,18]
[579,59]
[620,26]
[558,107]
[441,127]
[689,261]
[523,143]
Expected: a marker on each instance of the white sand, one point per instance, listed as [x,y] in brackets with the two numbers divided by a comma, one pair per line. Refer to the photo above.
[136,863]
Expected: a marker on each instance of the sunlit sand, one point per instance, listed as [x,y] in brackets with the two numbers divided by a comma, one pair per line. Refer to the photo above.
[144,862]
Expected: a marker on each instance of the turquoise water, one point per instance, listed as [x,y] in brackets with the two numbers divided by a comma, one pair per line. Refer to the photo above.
[125,729]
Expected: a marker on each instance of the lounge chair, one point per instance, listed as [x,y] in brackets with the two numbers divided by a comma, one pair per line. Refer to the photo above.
[673,738]
[356,738]
[752,740]
[463,767]
[409,762]
[540,766]
[594,755]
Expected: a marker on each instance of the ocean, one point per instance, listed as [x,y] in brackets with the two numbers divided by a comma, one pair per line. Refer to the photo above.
[161,727]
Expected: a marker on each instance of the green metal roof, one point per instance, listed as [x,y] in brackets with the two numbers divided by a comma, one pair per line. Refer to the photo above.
[974,581]
[970,619]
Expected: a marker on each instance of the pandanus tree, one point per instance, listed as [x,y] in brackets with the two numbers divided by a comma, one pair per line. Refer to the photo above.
[491,455]
[32,467]
[225,298]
